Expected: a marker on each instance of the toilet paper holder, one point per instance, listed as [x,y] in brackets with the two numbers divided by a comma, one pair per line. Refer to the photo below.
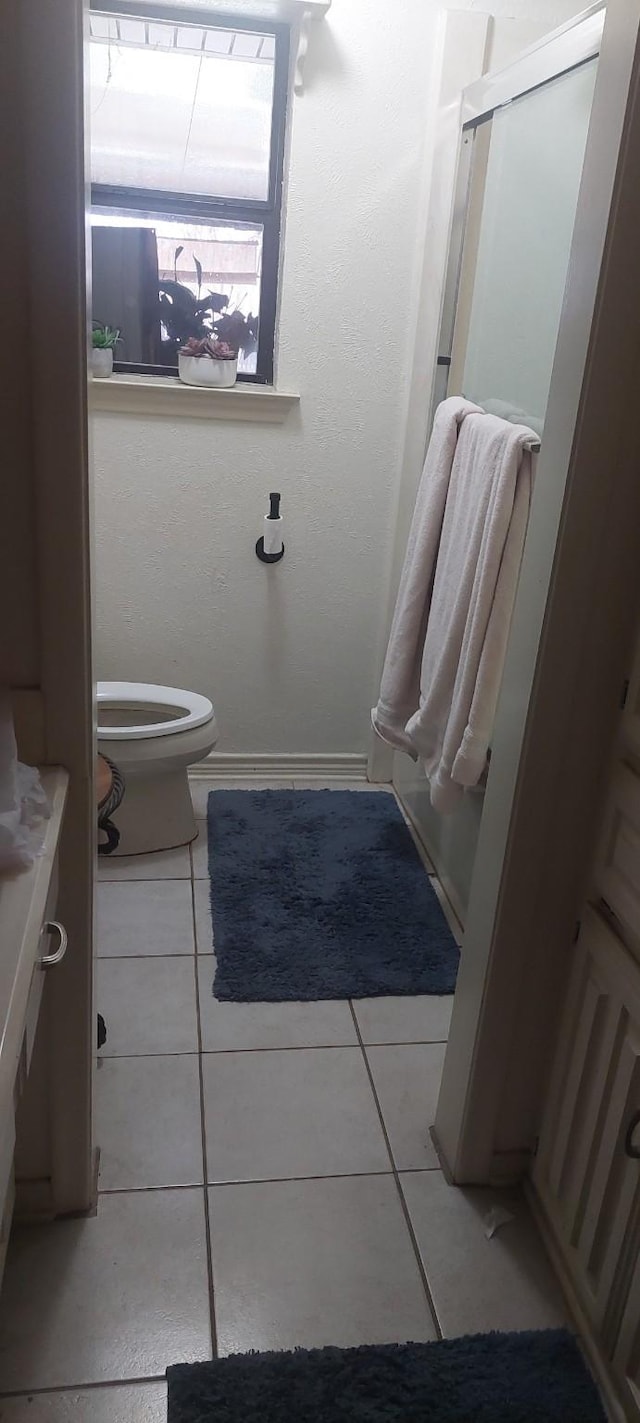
[272,535]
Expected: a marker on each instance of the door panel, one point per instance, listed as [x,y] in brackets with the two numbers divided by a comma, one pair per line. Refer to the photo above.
[588,1184]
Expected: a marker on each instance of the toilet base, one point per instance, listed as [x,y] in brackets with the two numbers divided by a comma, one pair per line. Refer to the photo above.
[156,812]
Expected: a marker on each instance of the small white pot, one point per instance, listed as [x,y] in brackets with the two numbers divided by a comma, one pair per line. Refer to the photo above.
[203,370]
[102,361]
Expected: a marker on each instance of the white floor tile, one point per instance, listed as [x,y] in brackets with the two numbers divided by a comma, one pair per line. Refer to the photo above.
[149,1005]
[204,927]
[118,1296]
[144,917]
[479,1284]
[148,1124]
[200,853]
[126,1403]
[423,1019]
[311,1263]
[201,788]
[166,864]
[233,1027]
[272,1115]
[407,1080]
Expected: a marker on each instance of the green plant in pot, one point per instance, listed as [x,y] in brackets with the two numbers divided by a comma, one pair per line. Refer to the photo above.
[104,340]
[201,335]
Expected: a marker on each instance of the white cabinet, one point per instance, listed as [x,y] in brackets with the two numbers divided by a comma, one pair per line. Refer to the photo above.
[31,946]
[586,1173]
[589,1186]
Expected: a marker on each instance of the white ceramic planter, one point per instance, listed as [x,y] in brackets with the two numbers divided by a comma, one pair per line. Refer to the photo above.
[102,361]
[202,370]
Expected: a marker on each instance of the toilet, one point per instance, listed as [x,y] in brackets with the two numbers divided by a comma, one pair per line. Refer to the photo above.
[153,734]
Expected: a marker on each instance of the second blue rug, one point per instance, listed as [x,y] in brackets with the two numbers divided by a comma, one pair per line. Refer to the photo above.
[322,894]
[487,1378]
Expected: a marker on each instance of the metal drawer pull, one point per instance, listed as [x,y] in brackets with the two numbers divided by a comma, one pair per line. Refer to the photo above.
[630,1149]
[53,927]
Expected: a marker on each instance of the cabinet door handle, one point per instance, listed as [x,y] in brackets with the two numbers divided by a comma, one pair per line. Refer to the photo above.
[53,927]
[630,1149]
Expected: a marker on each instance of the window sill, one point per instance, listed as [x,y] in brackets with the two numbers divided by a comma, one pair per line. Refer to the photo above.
[166,395]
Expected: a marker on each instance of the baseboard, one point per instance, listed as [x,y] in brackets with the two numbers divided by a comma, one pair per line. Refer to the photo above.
[283,766]
[611,1398]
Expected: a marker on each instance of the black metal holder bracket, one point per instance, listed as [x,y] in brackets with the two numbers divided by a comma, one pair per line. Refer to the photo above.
[268,557]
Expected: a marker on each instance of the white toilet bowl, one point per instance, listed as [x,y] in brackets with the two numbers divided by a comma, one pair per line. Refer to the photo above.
[154,734]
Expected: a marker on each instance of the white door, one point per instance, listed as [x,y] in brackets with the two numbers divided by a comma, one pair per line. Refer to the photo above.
[587,1169]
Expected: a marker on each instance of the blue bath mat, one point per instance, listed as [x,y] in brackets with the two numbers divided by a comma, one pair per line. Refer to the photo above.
[487,1378]
[321,894]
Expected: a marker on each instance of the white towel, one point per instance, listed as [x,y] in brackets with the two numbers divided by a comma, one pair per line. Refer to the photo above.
[400,686]
[468,618]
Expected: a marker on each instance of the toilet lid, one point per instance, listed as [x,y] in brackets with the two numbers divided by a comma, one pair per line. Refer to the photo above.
[156,711]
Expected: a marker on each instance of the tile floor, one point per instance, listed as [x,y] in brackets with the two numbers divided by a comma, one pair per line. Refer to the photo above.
[267,1179]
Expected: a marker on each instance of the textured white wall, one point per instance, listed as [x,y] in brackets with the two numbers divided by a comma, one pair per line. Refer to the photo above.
[289,654]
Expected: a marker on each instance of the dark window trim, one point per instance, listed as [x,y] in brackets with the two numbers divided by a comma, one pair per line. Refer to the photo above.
[199,205]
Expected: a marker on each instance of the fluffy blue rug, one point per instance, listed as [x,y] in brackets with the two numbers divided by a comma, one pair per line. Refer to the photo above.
[487,1378]
[321,894]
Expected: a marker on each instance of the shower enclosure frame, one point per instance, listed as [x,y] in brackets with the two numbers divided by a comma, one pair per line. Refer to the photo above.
[563,50]
[548,767]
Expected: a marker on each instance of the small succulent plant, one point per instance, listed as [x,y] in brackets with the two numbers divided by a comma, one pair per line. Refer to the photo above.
[207,346]
[104,338]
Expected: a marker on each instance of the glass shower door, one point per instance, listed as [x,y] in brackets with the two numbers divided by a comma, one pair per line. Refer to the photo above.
[523,163]
[505,340]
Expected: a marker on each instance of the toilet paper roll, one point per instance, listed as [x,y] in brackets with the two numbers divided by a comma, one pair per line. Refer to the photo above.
[272,535]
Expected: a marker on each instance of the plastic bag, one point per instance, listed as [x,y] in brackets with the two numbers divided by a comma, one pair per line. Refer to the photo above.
[23,803]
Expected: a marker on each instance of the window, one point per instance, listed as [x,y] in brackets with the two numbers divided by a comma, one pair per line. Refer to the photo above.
[187,140]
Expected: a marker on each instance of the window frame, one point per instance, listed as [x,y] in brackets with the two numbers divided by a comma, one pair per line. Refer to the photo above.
[267,212]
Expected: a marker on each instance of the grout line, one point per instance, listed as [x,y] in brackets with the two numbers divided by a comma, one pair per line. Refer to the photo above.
[138,1056]
[408,1042]
[149,1190]
[76,1387]
[209,953]
[207,1213]
[320,1047]
[283,1180]
[248,1051]
[141,880]
[125,958]
[396,1174]
[118,1056]
[420,1171]
[257,1181]
[301,1047]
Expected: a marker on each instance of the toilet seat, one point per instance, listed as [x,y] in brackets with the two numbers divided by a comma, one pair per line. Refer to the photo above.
[193,710]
